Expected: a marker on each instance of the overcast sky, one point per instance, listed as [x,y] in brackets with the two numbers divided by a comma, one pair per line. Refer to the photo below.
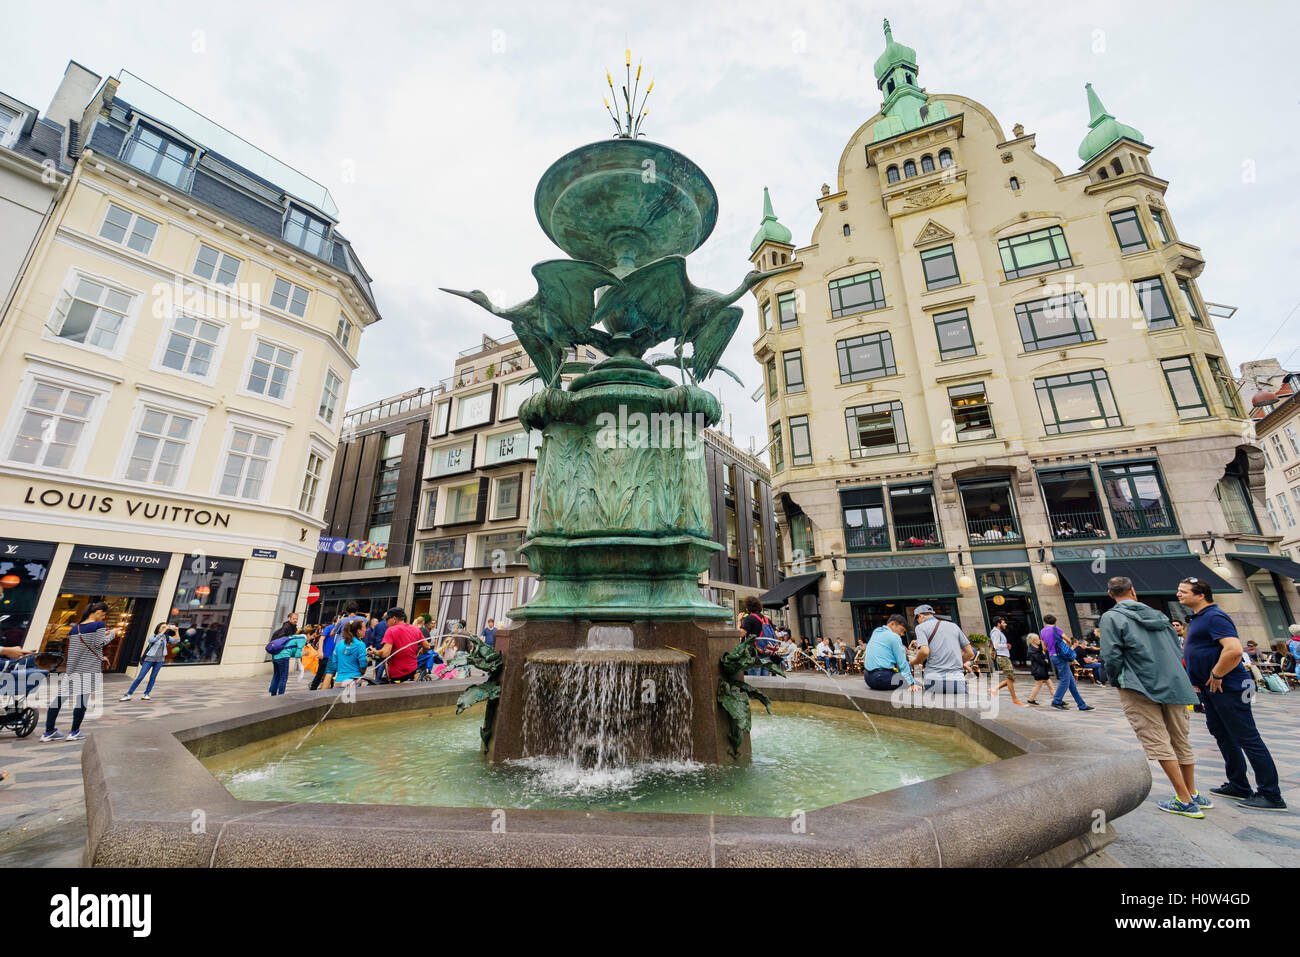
[431,123]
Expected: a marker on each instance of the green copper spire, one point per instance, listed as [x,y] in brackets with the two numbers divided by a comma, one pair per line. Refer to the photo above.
[906,105]
[1103,130]
[769,230]
[896,54]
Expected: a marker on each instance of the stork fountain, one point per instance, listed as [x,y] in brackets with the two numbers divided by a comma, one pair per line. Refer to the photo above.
[618,655]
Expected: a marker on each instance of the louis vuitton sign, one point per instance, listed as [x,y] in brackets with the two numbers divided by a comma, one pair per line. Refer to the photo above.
[126,506]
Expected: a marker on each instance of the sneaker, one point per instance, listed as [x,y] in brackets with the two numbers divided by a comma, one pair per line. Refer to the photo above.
[52,736]
[1034,703]
[1262,802]
[146,698]
[1228,791]
[77,736]
[125,697]
[1086,707]
[1175,806]
[1061,706]
[1201,800]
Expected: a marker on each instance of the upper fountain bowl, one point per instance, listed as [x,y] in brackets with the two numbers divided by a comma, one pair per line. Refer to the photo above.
[622,203]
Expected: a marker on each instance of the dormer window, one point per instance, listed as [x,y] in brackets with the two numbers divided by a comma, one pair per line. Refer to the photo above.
[160,156]
[307,232]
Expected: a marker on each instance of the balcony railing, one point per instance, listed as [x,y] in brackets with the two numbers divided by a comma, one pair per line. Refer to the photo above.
[918,535]
[868,538]
[1153,519]
[988,531]
[1074,525]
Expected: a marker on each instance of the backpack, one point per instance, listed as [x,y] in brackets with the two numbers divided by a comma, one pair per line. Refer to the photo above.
[766,643]
[276,645]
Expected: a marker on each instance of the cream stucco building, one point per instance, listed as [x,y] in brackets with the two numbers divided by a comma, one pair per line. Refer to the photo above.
[992,383]
[178,352]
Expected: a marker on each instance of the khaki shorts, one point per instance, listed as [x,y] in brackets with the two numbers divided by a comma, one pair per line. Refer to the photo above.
[1161,728]
[1007,669]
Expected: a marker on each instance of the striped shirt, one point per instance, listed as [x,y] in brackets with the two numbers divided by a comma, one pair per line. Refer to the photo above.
[83,660]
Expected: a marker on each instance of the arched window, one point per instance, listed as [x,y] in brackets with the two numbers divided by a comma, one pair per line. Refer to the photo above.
[891,174]
[784,259]
[927,163]
[1015,184]
[909,77]
[909,169]
[846,229]
[1117,166]
[1101,173]
[945,158]
[889,87]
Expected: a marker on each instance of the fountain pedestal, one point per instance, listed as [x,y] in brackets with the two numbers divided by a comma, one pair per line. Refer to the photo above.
[542,642]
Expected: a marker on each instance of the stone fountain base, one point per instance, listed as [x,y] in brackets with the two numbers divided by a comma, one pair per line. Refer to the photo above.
[702,643]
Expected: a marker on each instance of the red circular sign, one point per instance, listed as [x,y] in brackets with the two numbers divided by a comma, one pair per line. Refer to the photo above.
[10,581]
[313,595]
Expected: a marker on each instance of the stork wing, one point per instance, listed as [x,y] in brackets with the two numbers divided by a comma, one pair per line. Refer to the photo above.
[649,303]
[565,289]
[712,340]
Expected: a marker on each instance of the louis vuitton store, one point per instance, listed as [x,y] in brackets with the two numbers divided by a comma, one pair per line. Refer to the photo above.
[210,570]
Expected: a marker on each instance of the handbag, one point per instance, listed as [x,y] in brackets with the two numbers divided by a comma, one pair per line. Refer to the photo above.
[1275,684]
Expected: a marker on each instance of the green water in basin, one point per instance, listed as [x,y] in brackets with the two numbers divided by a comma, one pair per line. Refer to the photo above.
[805,757]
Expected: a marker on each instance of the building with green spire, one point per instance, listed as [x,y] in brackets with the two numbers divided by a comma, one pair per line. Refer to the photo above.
[983,372]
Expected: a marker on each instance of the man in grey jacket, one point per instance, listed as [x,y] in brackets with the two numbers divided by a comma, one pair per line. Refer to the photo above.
[1140,651]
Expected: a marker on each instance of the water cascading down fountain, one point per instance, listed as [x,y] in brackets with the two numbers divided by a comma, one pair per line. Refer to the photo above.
[617,656]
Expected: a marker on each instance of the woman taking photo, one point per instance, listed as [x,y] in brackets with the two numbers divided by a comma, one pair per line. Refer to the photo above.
[86,641]
[154,657]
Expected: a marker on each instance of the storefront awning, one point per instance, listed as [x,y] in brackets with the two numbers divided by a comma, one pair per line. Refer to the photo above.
[886,584]
[1151,576]
[791,586]
[1269,563]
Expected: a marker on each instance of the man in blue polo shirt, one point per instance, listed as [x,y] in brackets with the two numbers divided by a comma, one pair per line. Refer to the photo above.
[1213,654]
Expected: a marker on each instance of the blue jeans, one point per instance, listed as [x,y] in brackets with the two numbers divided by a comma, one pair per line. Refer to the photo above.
[1229,719]
[280,676]
[150,668]
[1064,682]
[946,685]
[883,679]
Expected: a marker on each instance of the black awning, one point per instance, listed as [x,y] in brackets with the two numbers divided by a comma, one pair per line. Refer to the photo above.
[1151,576]
[1269,563]
[791,586]
[886,584]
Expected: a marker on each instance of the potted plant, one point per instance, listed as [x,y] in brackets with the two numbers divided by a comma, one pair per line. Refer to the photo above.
[982,645]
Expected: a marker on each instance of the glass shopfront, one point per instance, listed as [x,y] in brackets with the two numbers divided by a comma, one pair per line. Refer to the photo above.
[373,596]
[124,579]
[201,609]
[23,568]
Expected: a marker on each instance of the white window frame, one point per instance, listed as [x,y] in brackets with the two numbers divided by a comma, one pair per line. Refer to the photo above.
[68,290]
[222,256]
[441,418]
[15,127]
[168,405]
[129,229]
[322,481]
[38,373]
[460,404]
[1292,437]
[290,386]
[344,332]
[519,498]
[256,427]
[218,352]
[339,398]
[289,300]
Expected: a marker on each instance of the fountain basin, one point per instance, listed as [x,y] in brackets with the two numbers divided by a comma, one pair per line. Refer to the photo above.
[151,802]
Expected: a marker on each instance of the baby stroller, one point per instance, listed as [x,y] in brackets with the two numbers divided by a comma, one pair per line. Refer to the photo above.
[19,678]
[425,664]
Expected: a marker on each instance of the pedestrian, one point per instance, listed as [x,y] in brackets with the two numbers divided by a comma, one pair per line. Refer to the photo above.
[86,641]
[1002,655]
[755,627]
[489,633]
[943,649]
[1061,654]
[1213,655]
[154,657]
[402,646]
[288,627]
[1140,652]
[884,664]
[1293,646]
[330,643]
[1040,667]
[349,660]
[293,645]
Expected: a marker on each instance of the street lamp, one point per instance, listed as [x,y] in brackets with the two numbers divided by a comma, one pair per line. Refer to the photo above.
[1048,578]
[836,584]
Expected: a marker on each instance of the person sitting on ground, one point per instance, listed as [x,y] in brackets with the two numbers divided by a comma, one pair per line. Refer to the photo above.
[884,662]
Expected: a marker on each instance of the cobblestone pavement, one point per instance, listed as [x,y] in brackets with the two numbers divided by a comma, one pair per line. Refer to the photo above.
[42,813]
